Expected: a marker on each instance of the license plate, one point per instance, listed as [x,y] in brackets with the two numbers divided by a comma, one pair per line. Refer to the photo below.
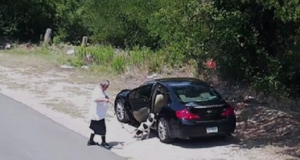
[212,129]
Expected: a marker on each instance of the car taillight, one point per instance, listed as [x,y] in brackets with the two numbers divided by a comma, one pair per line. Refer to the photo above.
[228,112]
[186,114]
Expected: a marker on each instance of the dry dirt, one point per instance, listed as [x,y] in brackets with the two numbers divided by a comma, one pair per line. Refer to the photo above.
[63,95]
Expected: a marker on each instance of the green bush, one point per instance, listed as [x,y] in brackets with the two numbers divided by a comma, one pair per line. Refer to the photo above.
[102,55]
[136,57]
[270,85]
[249,40]
[57,40]
[156,62]
[145,58]
[142,58]
[75,61]
[118,64]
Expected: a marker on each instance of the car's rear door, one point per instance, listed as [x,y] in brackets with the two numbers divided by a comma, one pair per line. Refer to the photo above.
[139,100]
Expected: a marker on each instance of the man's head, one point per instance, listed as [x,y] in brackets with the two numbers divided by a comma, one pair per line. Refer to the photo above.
[104,84]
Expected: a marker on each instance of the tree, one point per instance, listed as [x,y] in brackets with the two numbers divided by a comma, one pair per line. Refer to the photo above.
[26,19]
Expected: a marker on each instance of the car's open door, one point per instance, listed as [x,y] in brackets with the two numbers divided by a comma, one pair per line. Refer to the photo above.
[139,100]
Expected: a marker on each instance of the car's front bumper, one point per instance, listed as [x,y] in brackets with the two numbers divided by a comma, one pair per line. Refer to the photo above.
[190,129]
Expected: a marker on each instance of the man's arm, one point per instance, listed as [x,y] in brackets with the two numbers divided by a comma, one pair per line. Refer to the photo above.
[99,97]
[101,100]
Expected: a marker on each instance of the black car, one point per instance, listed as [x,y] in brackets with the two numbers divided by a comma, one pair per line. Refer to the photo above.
[185,108]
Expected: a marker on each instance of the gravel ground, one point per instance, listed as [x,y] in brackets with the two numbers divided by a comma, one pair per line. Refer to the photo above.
[54,93]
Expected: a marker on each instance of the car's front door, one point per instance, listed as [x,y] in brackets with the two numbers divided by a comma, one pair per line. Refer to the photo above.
[139,100]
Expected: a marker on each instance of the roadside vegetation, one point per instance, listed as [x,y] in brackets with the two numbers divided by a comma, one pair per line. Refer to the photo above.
[254,43]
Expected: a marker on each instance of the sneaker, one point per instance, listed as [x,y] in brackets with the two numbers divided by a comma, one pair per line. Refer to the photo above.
[91,143]
[106,145]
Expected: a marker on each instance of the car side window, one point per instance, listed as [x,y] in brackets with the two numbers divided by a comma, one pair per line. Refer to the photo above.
[165,91]
[143,92]
[131,95]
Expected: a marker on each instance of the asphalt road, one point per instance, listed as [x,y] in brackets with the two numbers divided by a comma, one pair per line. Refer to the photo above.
[28,135]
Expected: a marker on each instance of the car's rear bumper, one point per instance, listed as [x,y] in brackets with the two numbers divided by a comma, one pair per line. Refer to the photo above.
[186,129]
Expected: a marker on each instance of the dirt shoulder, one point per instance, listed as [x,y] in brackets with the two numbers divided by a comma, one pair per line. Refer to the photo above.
[63,95]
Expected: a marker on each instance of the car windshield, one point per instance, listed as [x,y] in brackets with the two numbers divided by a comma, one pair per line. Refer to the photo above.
[194,93]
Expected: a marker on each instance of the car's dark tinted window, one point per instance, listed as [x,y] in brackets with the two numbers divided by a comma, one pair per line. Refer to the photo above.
[194,93]
[143,92]
[131,95]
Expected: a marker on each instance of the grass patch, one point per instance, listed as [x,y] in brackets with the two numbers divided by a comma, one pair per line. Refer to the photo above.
[99,58]
[33,56]
[113,60]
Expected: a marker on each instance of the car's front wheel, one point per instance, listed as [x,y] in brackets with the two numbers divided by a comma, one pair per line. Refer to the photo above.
[164,131]
[121,112]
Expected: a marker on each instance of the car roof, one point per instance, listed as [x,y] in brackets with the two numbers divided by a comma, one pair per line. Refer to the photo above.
[176,81]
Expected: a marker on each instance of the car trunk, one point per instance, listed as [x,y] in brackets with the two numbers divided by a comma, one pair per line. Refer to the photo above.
[208,112]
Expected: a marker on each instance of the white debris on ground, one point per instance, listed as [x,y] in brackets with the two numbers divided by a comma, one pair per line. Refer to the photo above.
[66,67]
[85,67]
[40,89]
[152,76]
[71,52]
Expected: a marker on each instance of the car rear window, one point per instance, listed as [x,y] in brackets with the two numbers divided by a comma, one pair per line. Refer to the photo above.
[195,93]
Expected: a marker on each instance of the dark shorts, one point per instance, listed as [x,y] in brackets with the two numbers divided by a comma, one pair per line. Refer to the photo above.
[98,127]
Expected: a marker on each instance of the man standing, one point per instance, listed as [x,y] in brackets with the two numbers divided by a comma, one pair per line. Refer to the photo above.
[97,112]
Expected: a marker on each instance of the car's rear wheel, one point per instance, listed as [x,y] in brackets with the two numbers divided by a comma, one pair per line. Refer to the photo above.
[121,112]
[164,131]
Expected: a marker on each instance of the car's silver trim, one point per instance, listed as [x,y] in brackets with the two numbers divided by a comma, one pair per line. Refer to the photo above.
[208,106]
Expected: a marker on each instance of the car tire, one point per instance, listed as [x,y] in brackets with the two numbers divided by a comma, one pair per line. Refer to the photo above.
[163,131]
[121,112]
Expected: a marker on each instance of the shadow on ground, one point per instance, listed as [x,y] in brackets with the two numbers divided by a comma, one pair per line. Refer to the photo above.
[207,142]
[258,125]
[263,121]
[197,143]
[113,144]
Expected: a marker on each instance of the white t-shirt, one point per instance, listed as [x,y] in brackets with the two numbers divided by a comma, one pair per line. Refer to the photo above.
[98,110]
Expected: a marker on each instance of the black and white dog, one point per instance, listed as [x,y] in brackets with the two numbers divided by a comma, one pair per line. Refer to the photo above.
[145,127]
